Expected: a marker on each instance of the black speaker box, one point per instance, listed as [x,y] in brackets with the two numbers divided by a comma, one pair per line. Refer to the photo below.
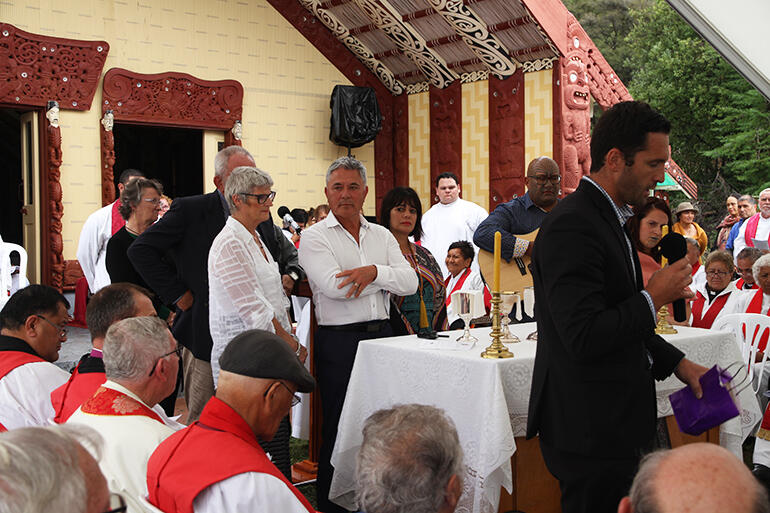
[356,118]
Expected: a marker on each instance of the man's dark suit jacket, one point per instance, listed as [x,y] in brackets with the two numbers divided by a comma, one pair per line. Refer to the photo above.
[186,231]
[593,391]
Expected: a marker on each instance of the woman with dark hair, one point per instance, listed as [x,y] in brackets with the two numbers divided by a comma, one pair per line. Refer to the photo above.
[646,230]
[459,258]
[424,311]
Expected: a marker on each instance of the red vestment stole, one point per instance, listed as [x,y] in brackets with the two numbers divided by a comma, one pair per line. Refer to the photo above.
[740,283]
[117,220]
[755,306]
[218,446]
[9,360]
[751,230]
[699,320]
[695,268]
[459,286]
[68,397]
[107,401]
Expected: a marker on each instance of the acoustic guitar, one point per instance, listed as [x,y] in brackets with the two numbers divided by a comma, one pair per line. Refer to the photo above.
[514,275]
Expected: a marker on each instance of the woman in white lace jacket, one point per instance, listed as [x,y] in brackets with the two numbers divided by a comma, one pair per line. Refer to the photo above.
[245,290]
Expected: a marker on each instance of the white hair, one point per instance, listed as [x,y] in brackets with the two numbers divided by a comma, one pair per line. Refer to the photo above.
[759,263]
[407,456]
[222,158]
[242,180]
[132,347]
[40,468]
[347,163]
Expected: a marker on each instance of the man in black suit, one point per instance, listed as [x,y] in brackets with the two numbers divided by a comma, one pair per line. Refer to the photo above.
[187,231]
[593,395]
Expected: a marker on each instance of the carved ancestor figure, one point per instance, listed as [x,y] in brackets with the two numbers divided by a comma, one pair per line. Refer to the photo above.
[108,157]
[55,206]
[576,115]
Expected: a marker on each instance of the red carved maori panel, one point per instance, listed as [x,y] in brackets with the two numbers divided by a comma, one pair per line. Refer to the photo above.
[168,99]
[445,132]
[359,75]
[506,138]
[401,138]
[53,205]
[556,101]
[35,69]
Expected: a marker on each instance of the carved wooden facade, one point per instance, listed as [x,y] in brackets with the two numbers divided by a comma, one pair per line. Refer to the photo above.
[36,69]
[506,138]
[166,99]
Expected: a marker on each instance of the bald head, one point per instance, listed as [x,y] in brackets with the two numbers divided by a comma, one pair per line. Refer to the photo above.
[699,477]
[543,182]
[542,164]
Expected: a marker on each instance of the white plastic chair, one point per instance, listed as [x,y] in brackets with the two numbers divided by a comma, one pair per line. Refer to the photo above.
[21,277]
[748,329]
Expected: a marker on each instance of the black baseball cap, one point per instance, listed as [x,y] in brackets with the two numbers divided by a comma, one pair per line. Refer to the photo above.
[261,354]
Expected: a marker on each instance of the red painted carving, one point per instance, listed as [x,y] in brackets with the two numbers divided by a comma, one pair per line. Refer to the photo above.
[35,69]
[445,132]
[175,99]
[401,138]
[556,101]
[72,273]
[168,99]
[506,138]
[383,156]
[55,209]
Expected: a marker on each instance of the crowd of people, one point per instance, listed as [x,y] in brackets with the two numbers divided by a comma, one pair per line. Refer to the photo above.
[197,297]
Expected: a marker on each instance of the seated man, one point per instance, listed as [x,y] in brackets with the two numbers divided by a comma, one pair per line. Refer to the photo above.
[216,464]
[51,469]
[696,477]
[108,306]
[744,261]
[410,460]
[31,333]
[141,361]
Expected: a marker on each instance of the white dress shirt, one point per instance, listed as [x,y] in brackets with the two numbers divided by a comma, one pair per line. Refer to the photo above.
[25,394]
[129,441]
[92,248]
[245,290]
[328,249]
[249,491]
[763,231]
[444,224]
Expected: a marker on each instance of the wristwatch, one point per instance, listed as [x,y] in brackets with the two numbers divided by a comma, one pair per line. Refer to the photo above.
[293,275]
[299,346]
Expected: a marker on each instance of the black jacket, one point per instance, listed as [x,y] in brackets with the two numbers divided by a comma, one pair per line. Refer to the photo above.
[592,389]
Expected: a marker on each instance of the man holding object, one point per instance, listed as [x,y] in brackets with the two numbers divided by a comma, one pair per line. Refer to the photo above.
[593,395]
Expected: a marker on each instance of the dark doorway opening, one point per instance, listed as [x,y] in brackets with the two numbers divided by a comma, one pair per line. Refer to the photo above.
[11,184]
[173,156]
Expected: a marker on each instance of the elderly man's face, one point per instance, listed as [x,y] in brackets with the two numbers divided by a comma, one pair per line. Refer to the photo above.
[764,203]
[744,269]
[235,160]
[346,192]
[763,279]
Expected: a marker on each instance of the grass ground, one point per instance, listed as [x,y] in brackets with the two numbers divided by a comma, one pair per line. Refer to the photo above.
[298,451]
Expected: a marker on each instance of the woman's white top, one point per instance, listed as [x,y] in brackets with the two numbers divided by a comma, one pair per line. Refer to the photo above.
[245,290]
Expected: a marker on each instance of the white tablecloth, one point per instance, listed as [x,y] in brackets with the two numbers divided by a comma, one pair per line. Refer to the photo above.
[487,400]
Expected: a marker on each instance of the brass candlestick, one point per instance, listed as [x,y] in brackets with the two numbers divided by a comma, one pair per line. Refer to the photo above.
[663,327]
[496,349]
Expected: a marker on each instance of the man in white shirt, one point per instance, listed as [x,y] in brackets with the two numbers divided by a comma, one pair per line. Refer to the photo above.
[32,329]
[96,232]
[450,220]
[351,265]
[216,464]
[756,227]
[141,361]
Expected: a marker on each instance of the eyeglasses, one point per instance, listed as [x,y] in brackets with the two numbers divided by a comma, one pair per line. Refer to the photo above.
[295,399]
[177,352]
[61,329]
[717,273]
[261,198]
[542,179]
[117,504]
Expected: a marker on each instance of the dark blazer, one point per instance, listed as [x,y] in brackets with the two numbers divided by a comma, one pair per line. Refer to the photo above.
[593,391]
[186,231]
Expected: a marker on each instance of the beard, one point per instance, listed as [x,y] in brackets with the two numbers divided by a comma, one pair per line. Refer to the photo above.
[631,190]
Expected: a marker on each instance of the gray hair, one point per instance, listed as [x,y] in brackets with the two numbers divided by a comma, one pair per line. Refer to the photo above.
[692,242]
[750,253]
[132,346]
[40,468]
[132,194]
[244,179]
[759,263]
[407,456]
[221,158]
[748,198]
[347,163]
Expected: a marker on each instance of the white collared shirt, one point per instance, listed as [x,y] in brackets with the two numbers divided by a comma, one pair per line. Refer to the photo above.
[92,247]
[328,249]
[763,231]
